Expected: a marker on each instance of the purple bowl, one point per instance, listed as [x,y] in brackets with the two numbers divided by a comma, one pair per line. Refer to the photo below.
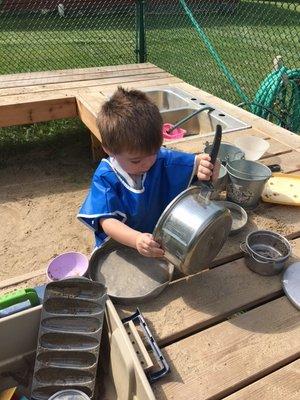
[67,265]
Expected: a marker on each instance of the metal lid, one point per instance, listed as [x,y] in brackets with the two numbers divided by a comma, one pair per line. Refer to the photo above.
[69,394]
[291,283]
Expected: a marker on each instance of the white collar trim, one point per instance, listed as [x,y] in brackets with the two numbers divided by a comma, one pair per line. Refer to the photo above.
[125,183]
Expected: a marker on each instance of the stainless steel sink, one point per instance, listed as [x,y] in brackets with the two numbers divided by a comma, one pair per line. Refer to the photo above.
[167,99]
[175,104]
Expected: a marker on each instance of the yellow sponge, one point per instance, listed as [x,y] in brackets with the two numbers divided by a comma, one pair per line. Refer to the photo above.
[282,189]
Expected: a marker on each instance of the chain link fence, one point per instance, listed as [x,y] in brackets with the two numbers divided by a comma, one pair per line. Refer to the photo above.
[38,35]
[228,48]
[225,47]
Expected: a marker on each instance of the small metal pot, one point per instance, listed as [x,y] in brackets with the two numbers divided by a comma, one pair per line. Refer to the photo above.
[227,152]
[266,252]
[192,230]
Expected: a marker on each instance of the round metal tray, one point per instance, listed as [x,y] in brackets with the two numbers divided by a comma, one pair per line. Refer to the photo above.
[129,276]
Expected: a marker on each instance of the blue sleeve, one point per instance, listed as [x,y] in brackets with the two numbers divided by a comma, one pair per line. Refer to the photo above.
[101,201]
[180,167]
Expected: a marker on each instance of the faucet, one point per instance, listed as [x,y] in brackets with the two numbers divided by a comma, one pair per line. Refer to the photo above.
[183,120]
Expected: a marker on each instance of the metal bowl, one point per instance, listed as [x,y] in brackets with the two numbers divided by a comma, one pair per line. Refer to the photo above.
[238,215]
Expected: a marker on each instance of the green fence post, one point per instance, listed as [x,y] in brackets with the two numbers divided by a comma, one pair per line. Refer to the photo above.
[140,31]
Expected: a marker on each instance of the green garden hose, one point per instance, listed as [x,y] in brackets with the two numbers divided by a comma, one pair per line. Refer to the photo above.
[278,97]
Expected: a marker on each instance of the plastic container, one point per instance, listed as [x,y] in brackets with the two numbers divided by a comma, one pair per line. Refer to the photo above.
[67,265]
[177,133]
[254,147]
[69,394]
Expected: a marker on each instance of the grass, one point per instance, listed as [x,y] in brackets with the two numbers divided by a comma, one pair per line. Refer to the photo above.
[247,40]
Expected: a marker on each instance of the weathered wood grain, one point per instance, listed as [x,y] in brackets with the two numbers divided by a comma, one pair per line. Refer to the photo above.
[226,357]
[281,384]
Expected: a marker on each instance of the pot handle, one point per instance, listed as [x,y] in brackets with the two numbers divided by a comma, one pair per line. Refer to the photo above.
[243,247]
[259,261]
[245,250]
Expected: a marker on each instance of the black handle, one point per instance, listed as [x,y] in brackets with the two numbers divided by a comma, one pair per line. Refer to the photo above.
[274,167]
[138,318]
[215,150]
[216,144]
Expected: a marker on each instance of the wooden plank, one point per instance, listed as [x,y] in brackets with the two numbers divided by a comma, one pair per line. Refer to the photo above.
[282,384]
[206,298]
[282,135]
[71,72]
[21,278]
[226,357]
[289,162]
[37,111]
[277,218]
[194,303]
[196,144]
[50,80]
[122,78]
[87,116]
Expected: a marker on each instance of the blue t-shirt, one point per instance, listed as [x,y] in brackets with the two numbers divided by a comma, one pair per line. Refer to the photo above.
[110,196]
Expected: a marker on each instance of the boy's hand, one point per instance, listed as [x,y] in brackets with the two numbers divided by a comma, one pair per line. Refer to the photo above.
[205,169]
[147,246]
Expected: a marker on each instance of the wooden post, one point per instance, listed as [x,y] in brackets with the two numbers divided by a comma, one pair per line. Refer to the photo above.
[96,147]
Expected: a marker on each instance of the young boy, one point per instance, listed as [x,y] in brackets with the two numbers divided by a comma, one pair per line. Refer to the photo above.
[131,188]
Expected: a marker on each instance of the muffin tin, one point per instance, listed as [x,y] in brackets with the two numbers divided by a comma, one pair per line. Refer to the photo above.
[69,337]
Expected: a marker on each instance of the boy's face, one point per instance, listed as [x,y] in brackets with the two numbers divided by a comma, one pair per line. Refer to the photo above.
[134,163]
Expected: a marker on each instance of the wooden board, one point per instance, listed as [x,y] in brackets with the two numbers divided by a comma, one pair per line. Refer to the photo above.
[289,162]
[278,218]
[47,75]
[282,384]
[130,77]
[208,297]
[37,111]
[226,357]
[196,144]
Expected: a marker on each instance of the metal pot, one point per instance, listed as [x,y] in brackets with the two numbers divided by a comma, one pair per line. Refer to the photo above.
[227,152]
[192,230]
[266,252]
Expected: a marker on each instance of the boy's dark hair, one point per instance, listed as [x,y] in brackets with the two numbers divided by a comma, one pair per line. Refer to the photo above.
[130,122]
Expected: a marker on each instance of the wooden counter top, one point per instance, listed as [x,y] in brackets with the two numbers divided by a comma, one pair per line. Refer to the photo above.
[226,332]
